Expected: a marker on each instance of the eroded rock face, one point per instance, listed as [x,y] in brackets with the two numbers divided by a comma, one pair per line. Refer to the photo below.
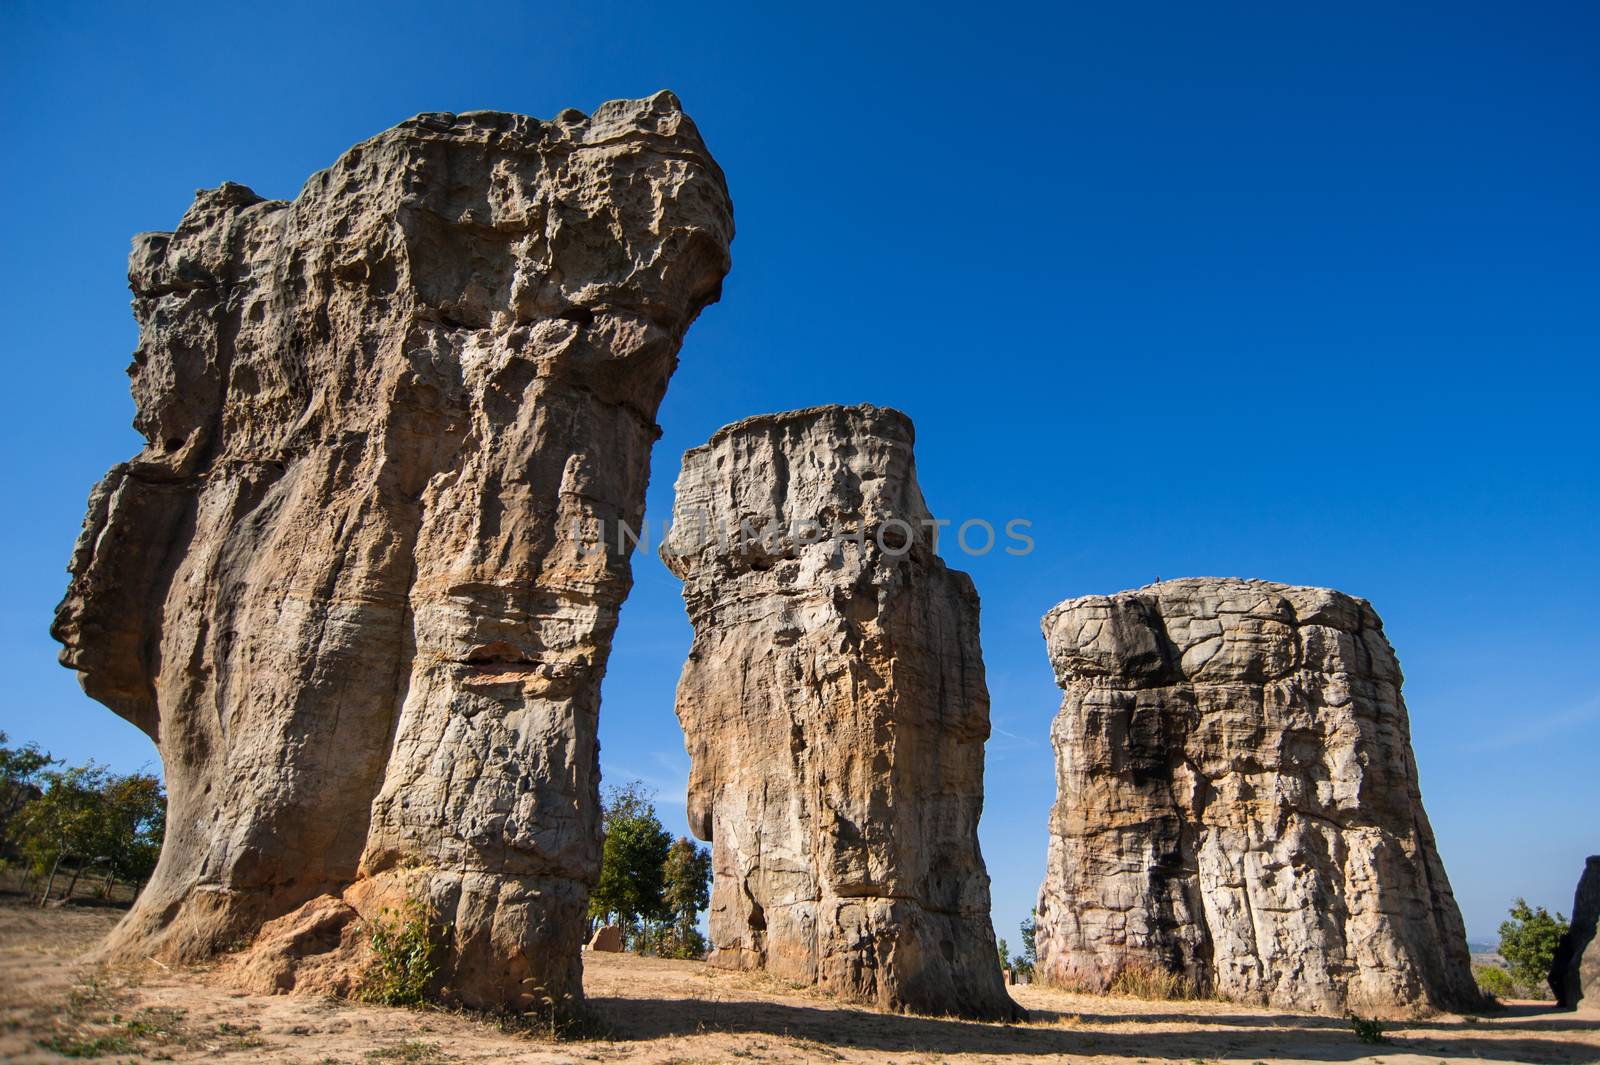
[835,712]
[342,585]
[1575,974]
[1238,803]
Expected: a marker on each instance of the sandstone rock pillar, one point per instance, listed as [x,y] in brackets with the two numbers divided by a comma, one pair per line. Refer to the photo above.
[1238,803]
[835,712]
[344,585]
[1575,974]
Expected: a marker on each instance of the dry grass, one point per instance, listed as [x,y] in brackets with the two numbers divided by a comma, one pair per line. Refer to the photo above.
[654,1012]
[1157,985]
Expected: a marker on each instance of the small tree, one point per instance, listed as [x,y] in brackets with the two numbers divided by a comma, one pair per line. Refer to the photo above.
[69,821]
[1023,963]
[1004,950]
[21,780]
[1528,943]
[632,865]
[136,806]
[688,892]
[87,817]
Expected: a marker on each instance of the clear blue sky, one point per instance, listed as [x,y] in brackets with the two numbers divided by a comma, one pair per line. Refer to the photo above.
[1308,295]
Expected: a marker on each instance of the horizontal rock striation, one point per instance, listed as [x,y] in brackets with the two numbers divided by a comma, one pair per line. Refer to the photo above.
[345,586]
[1238,803]
[835,713]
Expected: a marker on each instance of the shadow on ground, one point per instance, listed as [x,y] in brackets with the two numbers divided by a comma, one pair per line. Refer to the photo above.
[1248,1037]
[1522,1017]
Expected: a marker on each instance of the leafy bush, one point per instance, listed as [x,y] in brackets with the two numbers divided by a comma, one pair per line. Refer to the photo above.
[412,1050]
[405,950]
[1494,981]
[1528,944]
[1368,1031]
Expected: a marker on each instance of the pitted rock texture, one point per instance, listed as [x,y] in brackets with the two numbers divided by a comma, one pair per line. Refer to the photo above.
[1237,802]
[342,585]
[835,711]
[1575,974]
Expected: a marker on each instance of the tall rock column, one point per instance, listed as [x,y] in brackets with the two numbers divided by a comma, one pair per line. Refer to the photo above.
[342,586]
[835,712]
[1575,971]
[1237,802]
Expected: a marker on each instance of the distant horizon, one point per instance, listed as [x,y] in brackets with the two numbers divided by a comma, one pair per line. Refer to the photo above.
[1301,296]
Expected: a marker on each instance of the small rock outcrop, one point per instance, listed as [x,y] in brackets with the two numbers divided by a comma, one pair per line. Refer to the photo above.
[1237,803]
[835,712]
[1575,973]
[351,585]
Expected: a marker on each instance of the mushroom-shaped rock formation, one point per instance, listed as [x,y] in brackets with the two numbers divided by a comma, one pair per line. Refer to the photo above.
[346,586]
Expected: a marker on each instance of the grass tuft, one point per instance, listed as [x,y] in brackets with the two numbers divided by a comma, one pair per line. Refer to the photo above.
[1148,982]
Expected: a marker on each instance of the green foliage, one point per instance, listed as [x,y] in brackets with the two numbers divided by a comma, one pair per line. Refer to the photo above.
[1022,964]
[1004,950]
[81,816]
[1368,1031]
[687,892]
[135,812]
[687,872]
[1528,942]
[20,778]
[633,864]
[671,940]
[1494,981]
[405,950]
[416,1051]
[92,1046]
[652,886]
[67,821]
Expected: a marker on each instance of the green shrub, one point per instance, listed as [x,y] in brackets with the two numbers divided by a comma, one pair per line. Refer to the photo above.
[686,944]
[1368,1031]
[1528,944]
[412,1051]
[1494,981]
[88,1046]
[405,950]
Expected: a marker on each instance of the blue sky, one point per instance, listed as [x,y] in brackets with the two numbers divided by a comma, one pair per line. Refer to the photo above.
[1226,289]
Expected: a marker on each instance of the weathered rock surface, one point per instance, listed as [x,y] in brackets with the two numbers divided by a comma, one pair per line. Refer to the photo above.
[342,585]
[1575,974]
[607,939]
[1238,803]
[835,711]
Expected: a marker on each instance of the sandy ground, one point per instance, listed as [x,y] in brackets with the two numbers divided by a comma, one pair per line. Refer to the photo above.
[54,1008]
